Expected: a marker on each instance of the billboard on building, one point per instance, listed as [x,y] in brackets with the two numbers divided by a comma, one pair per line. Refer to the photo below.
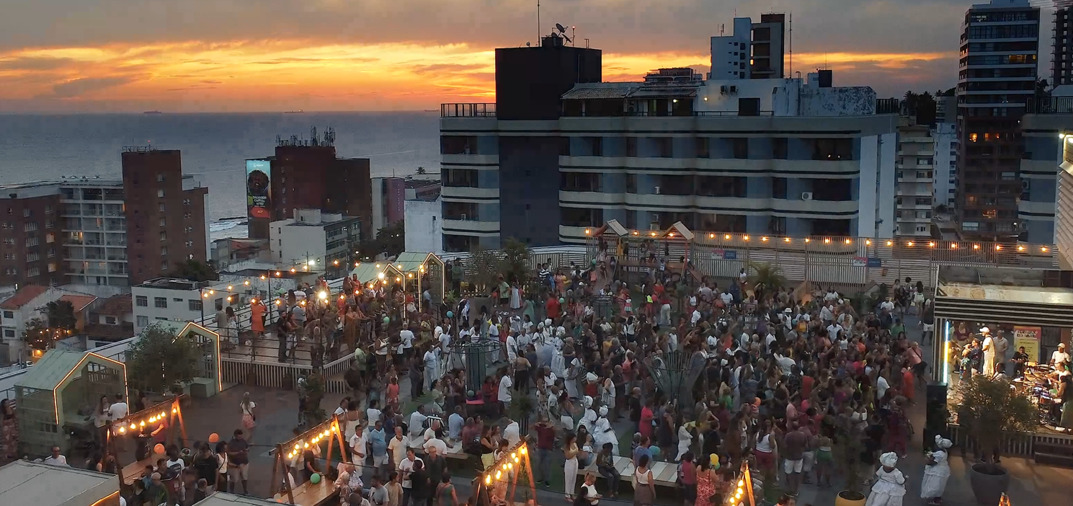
[258,188]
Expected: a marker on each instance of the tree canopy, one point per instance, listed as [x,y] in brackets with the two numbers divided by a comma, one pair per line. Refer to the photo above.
[195,270]
[159,360]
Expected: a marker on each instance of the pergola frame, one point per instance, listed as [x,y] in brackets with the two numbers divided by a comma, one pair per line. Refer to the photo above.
[327,430]
[170,409]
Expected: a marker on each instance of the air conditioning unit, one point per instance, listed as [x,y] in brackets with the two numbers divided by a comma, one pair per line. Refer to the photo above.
[1024,185]
[657,190]
[733,89]
[463,217]
[806,195]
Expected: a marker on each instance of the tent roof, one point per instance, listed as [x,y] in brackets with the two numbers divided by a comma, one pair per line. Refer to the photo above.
[409,261]
[48,372]
[367,272]
[612,226]
[679,229]
[24,482]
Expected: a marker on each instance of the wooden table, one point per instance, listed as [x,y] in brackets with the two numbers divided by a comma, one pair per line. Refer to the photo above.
[664,474]
[308,494]
[135,471]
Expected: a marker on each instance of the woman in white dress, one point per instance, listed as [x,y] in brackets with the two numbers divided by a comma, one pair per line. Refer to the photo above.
[685,440]
[570,451]
[889,487]
[936,472]
[603,432]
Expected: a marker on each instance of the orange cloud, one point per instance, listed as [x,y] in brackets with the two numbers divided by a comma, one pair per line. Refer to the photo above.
[256,75]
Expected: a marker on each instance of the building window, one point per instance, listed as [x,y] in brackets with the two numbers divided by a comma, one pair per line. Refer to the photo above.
[160,178]
[26,213]
[160,302]
[741,148]
[160,194]
[748,107]
[141,301]
[163,222]
[702,147]
[163,236]
[9,314]
[195,304]
[779,149]
[778,187]
[143,321]
[110,320]
[162,208]
[631,146]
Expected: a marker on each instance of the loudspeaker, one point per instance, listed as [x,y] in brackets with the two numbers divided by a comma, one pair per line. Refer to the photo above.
[937,415]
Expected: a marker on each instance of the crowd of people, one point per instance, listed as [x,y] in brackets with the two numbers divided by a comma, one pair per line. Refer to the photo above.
[612,360]
[795,383]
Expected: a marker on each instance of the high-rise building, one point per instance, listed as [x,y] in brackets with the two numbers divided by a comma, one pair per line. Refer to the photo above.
[945,177]
[1062,44]
[914,172]
[104,233]
[752,50]
[1046,130]
[767,156]
[999,48]
[166,223]
[307,176]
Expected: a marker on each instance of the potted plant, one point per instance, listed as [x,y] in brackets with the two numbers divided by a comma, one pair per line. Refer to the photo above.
[849,444]
[519,409]
[988,410]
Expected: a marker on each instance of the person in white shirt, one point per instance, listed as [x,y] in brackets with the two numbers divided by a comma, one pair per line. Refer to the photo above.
[1060,356]
[505,384]
[406,343]
[512,433]
[417,422]
[373,414]
[769,339]
[834,330]
[397,447]
[405,468]
[695,317]
[988,348]
[512,348]
[887,305]
[785,363]
[118,410]
[358,443]
[56,459]
[882,386]
[726,297]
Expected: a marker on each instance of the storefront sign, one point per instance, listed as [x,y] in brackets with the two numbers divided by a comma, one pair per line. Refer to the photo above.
[724,254]
[1028,337]
[867,262]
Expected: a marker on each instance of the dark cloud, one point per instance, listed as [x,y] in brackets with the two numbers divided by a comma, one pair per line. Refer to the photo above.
[76,87]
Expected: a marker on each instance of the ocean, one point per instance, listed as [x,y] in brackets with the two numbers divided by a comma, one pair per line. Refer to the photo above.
[214,146]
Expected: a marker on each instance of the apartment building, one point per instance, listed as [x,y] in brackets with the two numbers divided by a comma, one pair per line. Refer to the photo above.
[915,173]
[794,157]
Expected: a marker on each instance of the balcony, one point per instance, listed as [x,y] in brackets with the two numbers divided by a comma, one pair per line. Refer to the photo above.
[1050,105]
[468,110]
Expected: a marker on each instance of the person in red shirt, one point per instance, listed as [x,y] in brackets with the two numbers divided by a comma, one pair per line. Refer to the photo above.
[552,307]
[545,445]
[645,425]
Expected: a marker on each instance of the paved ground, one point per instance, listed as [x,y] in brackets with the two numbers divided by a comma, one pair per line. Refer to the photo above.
[277,417]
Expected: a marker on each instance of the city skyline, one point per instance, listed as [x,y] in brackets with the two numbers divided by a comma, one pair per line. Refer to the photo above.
[208,56]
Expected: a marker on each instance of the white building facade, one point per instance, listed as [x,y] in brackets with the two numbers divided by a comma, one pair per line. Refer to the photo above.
[944,137]
[424,225]
[314,239]
[915,173]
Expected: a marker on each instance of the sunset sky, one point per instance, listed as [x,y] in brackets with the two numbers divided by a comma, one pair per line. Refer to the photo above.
[273,55]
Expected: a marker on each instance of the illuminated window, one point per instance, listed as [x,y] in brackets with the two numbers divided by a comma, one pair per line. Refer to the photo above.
[990,213]
[972,137]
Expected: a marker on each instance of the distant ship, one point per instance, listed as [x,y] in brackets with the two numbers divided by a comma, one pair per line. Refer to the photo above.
[152,112]
[299,111]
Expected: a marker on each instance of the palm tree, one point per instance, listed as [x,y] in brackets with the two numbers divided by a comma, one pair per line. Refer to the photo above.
[765,278]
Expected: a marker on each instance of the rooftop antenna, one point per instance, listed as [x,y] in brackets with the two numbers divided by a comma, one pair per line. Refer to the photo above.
[791,42]
[538,23]
[562,32]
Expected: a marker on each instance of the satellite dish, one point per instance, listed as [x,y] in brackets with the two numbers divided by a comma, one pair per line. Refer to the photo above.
[560,28]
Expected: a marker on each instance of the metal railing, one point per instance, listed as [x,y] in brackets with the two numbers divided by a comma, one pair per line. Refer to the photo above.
[1049,105]
[468,110]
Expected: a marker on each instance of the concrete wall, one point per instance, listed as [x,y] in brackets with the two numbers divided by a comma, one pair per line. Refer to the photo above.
[424,225]
[293,244]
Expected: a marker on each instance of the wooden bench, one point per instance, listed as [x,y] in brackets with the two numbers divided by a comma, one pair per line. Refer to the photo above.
[135,471]
[308,494]
[664,474]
